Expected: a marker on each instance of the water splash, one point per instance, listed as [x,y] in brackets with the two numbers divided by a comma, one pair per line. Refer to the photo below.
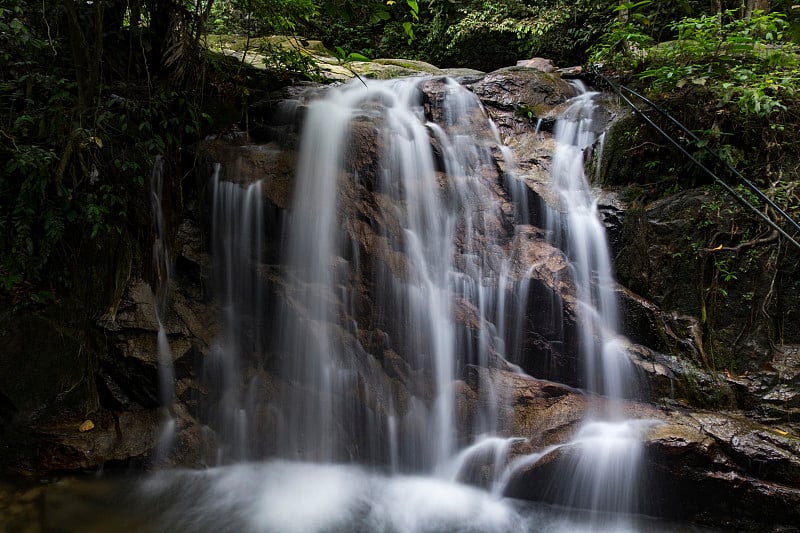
[309,498]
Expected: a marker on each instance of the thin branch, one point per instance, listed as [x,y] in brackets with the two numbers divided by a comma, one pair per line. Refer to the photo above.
[772,237]
[10,138]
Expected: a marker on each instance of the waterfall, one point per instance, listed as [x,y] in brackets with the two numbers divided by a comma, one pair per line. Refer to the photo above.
[402,282]
[237,242]
[602,471]
[577,228]
[162,269]
[447,233]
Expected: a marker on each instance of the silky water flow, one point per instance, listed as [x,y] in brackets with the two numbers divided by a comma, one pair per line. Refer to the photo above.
[603,474]
[341,443]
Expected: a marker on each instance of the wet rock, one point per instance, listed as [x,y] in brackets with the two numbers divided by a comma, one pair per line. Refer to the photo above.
[511,87]
[543,412]
[687,455]
[750,469]
[517,97]
[248,163]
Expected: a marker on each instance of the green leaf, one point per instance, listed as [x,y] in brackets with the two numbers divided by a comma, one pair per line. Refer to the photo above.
[355,56]
[414,8]
[409,31]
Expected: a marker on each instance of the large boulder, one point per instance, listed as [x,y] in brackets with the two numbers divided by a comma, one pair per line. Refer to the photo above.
[703,466]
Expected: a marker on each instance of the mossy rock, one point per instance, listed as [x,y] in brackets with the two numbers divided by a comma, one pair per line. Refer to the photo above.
[410,64]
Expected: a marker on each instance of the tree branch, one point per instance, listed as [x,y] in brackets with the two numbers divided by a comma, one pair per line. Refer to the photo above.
[772,237]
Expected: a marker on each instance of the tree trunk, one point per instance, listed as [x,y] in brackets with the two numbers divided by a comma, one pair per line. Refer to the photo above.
[622,14]
[756,5]
[87,50]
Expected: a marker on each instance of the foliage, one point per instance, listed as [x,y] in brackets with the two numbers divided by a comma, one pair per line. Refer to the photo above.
[287,59]
[490,34]
[527,23]
[483,34]
[746,61]
[259,17]
[75,164]
[372,28]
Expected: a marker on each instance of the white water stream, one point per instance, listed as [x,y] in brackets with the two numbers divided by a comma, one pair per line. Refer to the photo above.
[162,269]
[448,235]
[333,407]
[603,473]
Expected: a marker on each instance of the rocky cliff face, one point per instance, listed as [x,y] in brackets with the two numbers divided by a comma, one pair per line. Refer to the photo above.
[697,458]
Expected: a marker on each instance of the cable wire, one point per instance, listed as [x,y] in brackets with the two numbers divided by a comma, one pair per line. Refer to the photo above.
[619,90]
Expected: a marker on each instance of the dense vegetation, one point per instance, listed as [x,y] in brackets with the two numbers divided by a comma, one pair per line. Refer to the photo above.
[730,75]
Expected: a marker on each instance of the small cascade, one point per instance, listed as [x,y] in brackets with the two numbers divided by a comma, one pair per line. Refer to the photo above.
[577,229]
[162,268]
[603,457]
[308,345]
[484,460]
[604,473]
[237,242]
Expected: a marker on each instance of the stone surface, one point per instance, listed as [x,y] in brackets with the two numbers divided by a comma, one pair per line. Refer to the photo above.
[697,465]
[538,63]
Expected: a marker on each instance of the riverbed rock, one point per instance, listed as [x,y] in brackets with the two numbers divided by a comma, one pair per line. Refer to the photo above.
[703,466]
[751,469]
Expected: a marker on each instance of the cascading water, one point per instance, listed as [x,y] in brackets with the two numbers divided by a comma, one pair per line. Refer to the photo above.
[237,241]
[401,268]
[578,230]
[162,269]
[445,231]
[603,473]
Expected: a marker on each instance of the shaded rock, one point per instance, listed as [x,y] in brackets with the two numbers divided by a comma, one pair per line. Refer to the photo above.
[58,445]
[53,375]
[772,394]
[249,163]
[758,451]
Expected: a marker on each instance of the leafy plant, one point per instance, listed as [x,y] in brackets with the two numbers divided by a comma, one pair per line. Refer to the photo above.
[749,62]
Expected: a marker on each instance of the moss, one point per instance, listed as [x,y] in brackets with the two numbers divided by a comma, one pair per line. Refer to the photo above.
[704,390]
[419,66]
